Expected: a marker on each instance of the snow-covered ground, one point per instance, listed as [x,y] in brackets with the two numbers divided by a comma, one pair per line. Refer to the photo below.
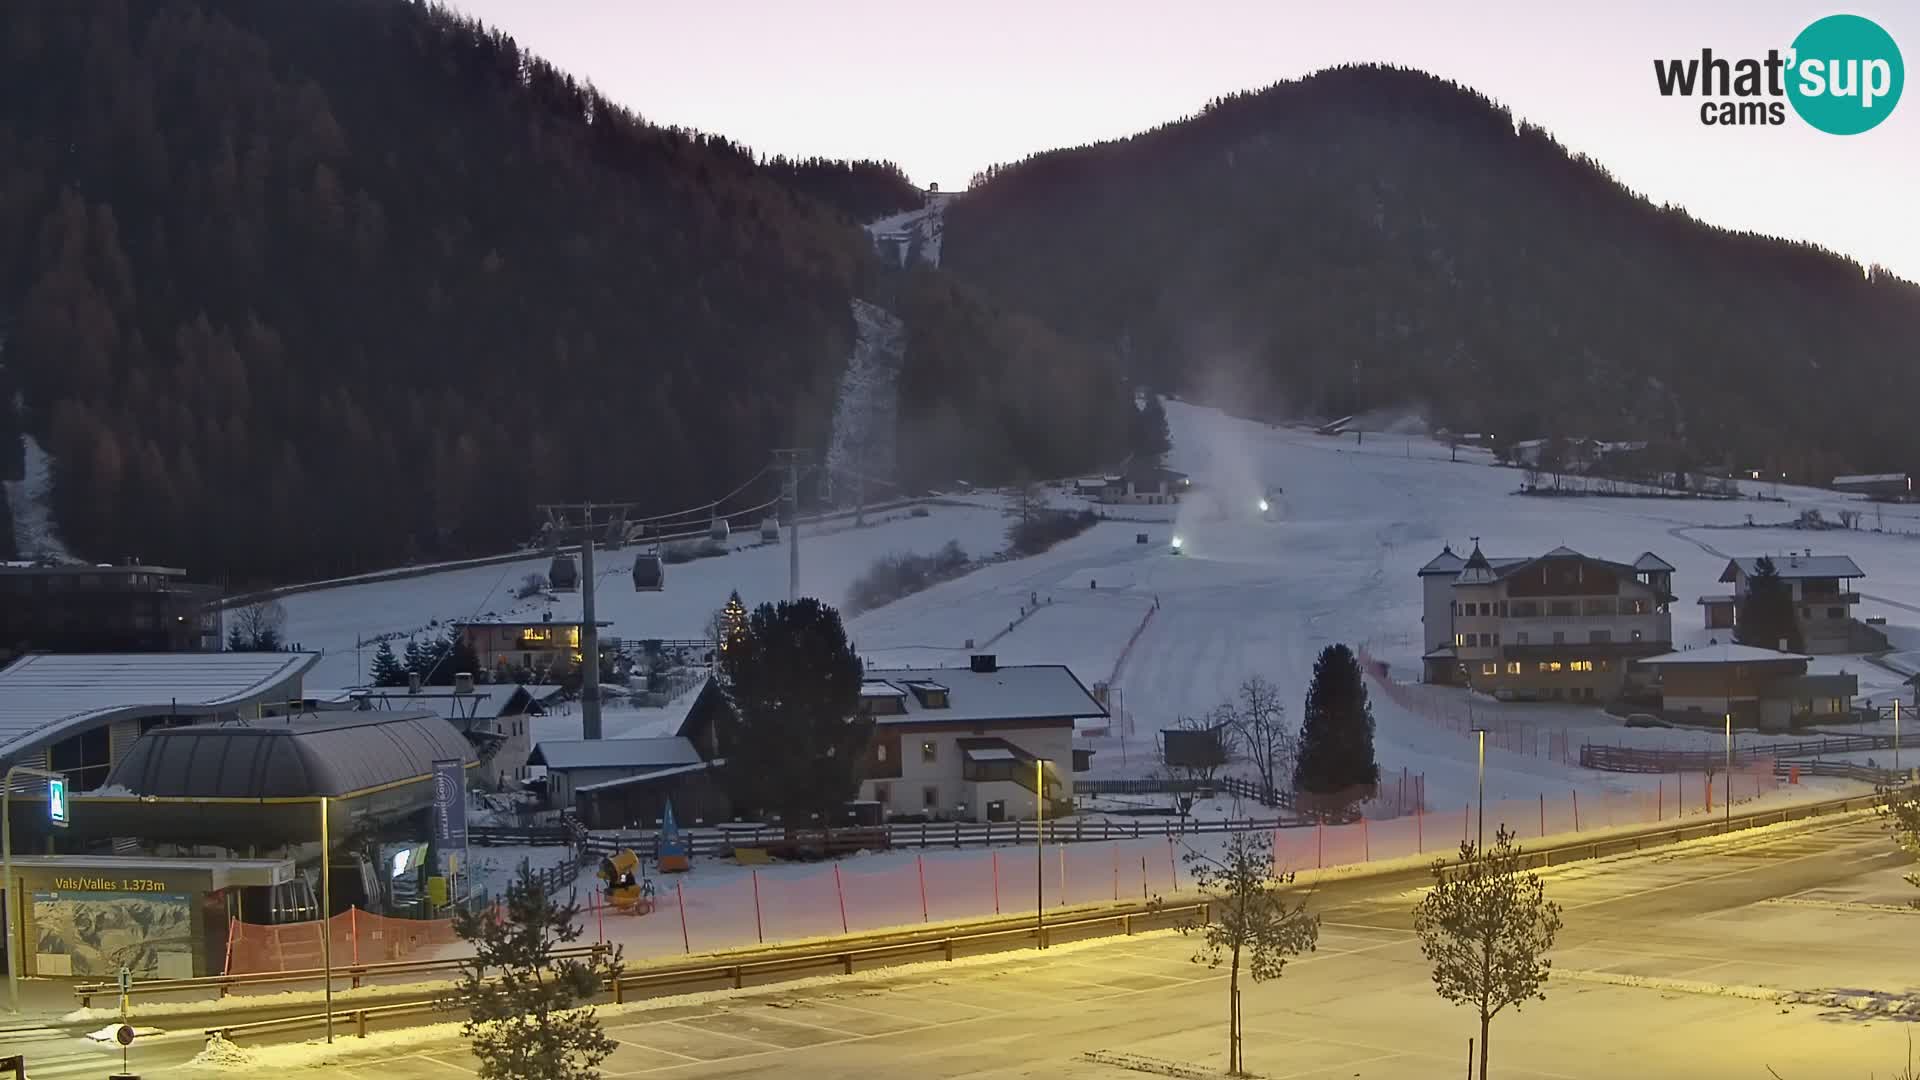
[1248,596]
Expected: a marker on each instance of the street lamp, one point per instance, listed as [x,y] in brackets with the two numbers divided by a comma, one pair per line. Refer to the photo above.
[1480,826]
[1729,799]
[326,910]
[57,809]
[1039,853]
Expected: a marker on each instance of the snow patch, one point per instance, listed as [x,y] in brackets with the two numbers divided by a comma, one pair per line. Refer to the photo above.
[862,447]
[31,499]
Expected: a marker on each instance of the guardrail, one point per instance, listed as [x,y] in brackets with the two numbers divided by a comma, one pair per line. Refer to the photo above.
[1638,759]
[761,965]
[947,833]
[356,973]
[519,834]
[1128,918]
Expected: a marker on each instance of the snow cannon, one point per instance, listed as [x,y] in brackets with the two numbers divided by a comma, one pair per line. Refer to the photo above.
[1175,548]
[625,890]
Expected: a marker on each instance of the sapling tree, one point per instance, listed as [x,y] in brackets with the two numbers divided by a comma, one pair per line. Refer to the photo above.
[1486,927]
[1900,813]
[1260,717]
[526,1017]
[1252,922]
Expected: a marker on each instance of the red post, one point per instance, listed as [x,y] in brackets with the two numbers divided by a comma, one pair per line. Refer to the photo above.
[1143,877]
[1419,828]
[759,933]
[996,883]
[681,895]
[842,894]
[1172,868]
[1660,801]
[1320,845]
[1116,872]
[1576,810]
[599,917]
[1366,842]
[920,868]
[1543,813]
[1061,850]
[353,931]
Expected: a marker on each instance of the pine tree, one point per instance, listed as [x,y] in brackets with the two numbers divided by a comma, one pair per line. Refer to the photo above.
[1336,732]
[1150,438]
[236,639]
[525,1017]
[794,738]
[416,661]
[733,621]
[457,657]
[386,668]
[1766,612]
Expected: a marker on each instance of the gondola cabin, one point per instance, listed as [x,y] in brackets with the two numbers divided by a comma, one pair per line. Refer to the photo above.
[564,573]
[770,529]
[719,529]
[649,572]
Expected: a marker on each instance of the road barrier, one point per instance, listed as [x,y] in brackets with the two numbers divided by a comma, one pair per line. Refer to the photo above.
[775,965]
[355,974]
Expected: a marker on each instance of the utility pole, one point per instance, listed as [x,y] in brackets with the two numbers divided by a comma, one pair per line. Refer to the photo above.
[792,459]
[589,635]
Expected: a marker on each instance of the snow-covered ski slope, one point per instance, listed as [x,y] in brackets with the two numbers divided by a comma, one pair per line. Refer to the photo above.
[1249,596]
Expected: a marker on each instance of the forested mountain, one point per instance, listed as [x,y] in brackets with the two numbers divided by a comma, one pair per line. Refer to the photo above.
[1372,237]
[293,289]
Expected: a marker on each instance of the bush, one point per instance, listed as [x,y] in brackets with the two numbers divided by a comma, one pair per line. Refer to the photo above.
[900,575]
[1047,528]
[918,511]
[531,585]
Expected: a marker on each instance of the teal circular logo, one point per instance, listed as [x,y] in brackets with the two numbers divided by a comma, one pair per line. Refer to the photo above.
[1846,74]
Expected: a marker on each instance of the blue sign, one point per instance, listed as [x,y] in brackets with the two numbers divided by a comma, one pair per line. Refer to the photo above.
[57,800]
[450,806]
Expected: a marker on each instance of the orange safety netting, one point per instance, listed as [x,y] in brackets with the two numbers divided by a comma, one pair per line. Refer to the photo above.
[359,937]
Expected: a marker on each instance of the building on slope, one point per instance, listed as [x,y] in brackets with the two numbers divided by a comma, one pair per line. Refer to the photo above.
[83,608]
[1757,687]
[1555,627]
[1823,599]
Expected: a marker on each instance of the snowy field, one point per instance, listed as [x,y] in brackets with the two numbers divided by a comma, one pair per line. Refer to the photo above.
[1249,596]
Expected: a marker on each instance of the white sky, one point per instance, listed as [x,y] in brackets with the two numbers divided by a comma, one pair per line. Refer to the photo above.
[948,89]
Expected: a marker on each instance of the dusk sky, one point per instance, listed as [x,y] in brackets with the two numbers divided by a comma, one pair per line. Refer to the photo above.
[948,89]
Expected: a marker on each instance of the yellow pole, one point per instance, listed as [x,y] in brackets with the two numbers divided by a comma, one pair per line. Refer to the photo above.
[326,909]
[1480,827]
[1039,853]
[1729,799]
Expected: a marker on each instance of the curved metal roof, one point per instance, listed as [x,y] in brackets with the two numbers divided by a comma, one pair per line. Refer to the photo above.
[333,755]
[45,697]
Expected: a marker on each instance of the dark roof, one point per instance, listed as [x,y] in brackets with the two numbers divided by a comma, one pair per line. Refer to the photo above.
[1649,562]
[649,753]
[333,755]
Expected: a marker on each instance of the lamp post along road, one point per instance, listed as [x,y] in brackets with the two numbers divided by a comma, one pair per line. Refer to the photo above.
[1480,826]
[1039,854]
[1729,799]
[326,909]
[15,915]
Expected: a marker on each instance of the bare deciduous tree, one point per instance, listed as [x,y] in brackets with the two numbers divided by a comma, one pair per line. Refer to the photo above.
[1251,919]
[1901,816]
[1260,720]
[262,625]
[1486,927]
[1201,746]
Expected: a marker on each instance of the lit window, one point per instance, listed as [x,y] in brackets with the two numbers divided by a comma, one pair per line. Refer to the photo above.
[1579,665]
[1489,669]
[880,751]
[1513,667]
[928,752]
[1459,640]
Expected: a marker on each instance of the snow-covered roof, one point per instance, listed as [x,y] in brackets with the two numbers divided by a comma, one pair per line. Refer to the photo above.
[1871,478]
[1021,692]
[879,688]
[1720,654]
[1649,562]
[1715,598]
[658,752]
[650,774]
[1797,566]
[1444,563]
[46,697]
[486,702]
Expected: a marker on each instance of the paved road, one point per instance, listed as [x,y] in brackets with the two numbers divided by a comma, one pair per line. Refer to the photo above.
[1805,909]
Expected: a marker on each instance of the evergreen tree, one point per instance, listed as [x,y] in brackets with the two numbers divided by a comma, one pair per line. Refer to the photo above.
[416,661]
[733,621]
[1766,612]
[526,1018]
[452,655]
[1150,438]
[236,639]
[386,669]
[1336,732]
[794,738]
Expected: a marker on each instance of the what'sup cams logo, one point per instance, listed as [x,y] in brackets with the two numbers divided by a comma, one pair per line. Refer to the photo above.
[1843,75]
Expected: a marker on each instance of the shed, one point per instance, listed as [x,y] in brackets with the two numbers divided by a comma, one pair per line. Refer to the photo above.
[575,763]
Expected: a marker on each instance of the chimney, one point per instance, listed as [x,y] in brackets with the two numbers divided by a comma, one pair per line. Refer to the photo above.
[984,663]
[463,682]
[413,682]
